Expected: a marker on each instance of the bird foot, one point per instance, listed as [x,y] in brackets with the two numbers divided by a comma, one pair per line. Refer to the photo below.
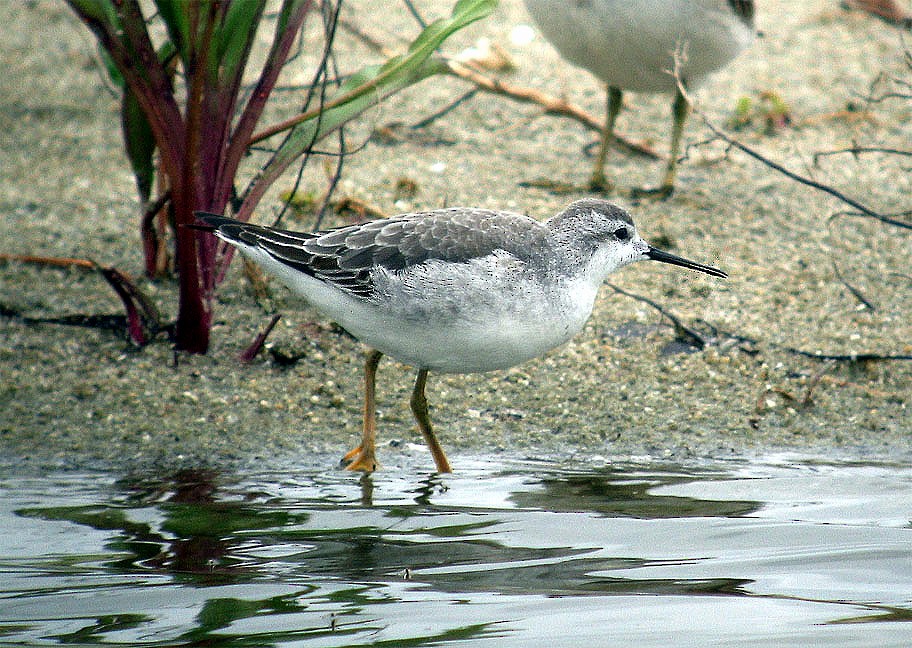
[598,183]
[660,193]
[360,459]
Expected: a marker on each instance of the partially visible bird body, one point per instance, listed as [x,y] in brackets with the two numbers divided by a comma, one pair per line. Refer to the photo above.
[456,290]
[631,45]
[393,285]
[424,318]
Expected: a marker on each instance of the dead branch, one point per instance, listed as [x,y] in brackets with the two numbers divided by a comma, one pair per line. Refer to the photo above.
[808,398]
[857,357]
[887,10]
[749,345]
[857,151]
[427,121]
[683,333]
[54,262]
[732,142]
[852,289]
[552,105]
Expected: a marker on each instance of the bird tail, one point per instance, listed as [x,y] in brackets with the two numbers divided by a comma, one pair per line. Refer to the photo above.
[209,222]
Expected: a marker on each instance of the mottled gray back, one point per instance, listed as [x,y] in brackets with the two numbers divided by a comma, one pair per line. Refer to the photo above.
[345,256]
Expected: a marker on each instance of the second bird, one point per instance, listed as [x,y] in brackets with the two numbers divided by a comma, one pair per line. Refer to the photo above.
[630,45]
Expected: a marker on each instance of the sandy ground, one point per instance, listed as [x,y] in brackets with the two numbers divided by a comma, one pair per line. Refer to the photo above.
[75,397]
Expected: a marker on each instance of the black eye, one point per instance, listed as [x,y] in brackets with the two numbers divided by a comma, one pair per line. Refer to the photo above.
[622,233]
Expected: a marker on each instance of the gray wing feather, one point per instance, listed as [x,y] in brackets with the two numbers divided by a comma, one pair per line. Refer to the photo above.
[345,257]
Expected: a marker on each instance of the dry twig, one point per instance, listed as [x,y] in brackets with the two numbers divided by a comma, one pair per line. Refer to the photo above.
[852,289]
[863,210]
[887,10]
[683,333]
[551,105]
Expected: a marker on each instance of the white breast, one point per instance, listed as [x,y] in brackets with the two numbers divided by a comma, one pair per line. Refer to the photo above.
[473,317]
[452,318]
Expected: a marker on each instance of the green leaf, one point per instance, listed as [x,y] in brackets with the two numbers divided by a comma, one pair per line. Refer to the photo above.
[111,67]
[139,142]
[175,15]
[234,36]
[101,11]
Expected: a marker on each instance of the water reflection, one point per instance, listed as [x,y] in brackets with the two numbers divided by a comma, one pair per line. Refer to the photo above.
[628,493]
[179,525]
[335,559]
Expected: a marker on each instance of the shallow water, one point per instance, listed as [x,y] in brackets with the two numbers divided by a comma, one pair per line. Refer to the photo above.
[775,552]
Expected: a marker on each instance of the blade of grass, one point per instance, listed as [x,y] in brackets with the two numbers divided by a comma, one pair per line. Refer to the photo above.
[174,15]
[139,143]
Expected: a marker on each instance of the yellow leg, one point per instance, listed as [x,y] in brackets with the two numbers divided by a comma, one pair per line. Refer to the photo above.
[680,112]
[613,100]
[364,456]
[420,410]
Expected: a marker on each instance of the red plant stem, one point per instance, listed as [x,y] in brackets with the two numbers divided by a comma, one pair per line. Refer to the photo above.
[147,78]
[142,316]
[251,352]
[135,324]
[152,243]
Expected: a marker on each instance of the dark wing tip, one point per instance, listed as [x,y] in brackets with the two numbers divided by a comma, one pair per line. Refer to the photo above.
[209,222]
[744,9]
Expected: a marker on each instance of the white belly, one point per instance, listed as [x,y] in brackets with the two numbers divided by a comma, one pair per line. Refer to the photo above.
[452,318]
[471,318]
[465,346]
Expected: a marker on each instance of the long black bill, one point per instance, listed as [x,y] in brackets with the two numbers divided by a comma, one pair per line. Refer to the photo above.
[658,255]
